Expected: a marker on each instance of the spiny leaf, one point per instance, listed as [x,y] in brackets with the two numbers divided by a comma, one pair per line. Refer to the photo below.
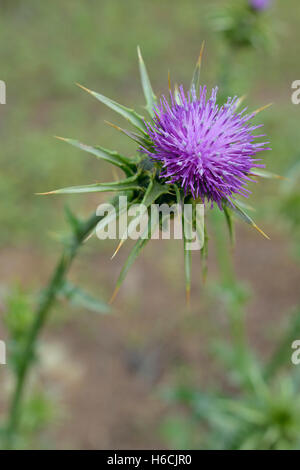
[113,215]
[259,110]
[141,140]
[102,153]
[265,174]
[177,192]
[140,244]
[187,273]
[244,205]
[204,255]
[147,88]
[230,223]
[187,260]
[152,193]
[196,76]
[243,215]
[198,222]
[244,412]
[80,298]
[74,222]
[177,96]
[136,119]
[123,185]
[240,101]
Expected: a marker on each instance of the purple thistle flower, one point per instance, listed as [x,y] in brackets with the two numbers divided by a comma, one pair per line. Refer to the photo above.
[206,149]
[260,4]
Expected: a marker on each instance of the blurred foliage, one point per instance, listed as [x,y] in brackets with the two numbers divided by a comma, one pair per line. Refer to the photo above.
[242,26]
[268,418]
[289,207]
[18,318]
[39,412]
[38,408]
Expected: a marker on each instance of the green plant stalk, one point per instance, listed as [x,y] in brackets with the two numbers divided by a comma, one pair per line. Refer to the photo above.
[47,300]
[235,310]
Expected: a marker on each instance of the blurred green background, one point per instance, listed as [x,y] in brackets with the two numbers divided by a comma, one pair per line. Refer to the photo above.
[104,374]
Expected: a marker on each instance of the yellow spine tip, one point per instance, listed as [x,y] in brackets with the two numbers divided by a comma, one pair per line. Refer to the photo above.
[282,177]
[117,249]
[113,125]
[88,237]
[201,54]
[169,80]
[44,194]
[114,295]
[240,101]
[84,88]
[263,108]
[261,231]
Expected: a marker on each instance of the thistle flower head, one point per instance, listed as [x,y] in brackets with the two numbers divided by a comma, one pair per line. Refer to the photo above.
[260,4]
[204,148]
[188,146]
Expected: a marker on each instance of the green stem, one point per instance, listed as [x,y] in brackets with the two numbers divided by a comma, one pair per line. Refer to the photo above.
[235,309]
[244,361]
[46,302]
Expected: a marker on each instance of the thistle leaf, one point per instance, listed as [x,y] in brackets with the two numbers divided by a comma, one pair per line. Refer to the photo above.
[240,101]
[244,205]
[234,205]
[187,273]
[79,298]
[140,244]
[187,260]
[74,222]
[262,108]
[119,210]
[196,76]
[147,88]
[230,224]
[177,96]
[104,154]
[136,119]
[141,140]
[152,193]
[123,185]
[204,255]
[265,174]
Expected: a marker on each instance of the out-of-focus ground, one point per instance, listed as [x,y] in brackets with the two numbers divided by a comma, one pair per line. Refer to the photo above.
[106,372]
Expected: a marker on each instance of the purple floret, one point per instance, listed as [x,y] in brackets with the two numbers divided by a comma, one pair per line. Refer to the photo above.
[260,4]
[206,149]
